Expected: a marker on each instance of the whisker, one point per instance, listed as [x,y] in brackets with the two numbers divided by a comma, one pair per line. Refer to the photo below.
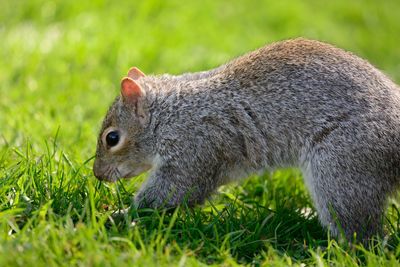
[109,172]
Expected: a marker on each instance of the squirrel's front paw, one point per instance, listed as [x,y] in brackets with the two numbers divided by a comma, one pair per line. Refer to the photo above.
[151,199]
[163,193]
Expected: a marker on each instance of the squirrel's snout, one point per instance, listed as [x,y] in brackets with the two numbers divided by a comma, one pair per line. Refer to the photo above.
[97,170]
[104,172]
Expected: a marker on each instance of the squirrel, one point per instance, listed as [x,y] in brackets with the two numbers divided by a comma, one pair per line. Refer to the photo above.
[295,103]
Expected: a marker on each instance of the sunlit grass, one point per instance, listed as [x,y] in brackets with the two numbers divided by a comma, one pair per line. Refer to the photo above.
[61,63]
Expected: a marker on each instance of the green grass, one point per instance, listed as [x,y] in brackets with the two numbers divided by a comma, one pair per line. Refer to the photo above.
[61,63]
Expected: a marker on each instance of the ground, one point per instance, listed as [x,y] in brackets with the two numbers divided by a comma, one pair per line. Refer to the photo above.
[61,63]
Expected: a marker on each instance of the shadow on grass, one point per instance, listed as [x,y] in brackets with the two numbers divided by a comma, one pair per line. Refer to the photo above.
[246,230]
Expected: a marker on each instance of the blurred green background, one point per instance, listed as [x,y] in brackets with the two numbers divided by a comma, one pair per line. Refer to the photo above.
[61,61]
[60,67]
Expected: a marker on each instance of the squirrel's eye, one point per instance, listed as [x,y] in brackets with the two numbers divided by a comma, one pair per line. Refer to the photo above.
[112,138]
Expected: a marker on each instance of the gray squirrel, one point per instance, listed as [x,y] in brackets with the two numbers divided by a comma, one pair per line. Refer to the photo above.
[298,102]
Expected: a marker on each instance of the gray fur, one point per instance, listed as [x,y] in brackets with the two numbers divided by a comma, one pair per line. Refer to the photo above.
[294,103]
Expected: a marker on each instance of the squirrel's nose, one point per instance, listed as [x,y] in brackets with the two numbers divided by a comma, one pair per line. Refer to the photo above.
[97,170]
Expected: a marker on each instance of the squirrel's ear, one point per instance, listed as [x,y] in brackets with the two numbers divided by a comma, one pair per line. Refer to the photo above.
[133,94]
[134,73]
[130,90]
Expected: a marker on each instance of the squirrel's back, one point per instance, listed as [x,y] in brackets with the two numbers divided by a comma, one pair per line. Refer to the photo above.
[290,91]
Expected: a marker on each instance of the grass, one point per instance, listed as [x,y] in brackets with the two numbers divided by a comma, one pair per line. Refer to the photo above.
[61,62]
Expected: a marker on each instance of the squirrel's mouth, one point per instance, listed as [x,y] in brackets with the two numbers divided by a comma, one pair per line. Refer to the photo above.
[108,174]
[113,173]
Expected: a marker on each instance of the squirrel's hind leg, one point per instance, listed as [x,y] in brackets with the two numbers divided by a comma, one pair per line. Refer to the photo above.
[349,201]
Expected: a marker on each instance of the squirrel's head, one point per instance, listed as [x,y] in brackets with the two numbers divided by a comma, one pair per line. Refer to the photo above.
[122,150]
